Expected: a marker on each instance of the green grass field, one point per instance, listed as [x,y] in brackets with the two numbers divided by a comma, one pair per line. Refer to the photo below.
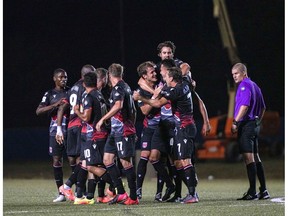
[23,196]
[217,197]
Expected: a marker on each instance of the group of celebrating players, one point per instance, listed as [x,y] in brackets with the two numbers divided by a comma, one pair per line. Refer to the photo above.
[94,122]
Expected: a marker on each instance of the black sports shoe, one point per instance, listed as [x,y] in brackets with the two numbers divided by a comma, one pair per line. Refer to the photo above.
[263,195]
[169,191]
[247,196]
[175,198]
[158,197]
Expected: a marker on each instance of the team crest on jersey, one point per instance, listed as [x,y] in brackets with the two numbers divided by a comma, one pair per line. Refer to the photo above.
[117,94]
[94,146]
[54,95]
[86,102]
[185,141]
[243,88]
[144,144]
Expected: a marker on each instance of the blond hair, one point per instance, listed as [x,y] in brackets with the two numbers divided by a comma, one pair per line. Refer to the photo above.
[240,67]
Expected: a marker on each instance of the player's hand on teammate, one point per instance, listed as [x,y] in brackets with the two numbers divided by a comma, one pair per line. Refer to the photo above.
[59,103]
[136,95]
[157,91]
[99,124]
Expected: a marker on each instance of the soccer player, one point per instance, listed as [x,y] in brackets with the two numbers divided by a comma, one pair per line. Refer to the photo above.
[51,100]
[151,143]
[248,113]
[166,51]
[121,141]
[94,108]
[74,139]
[179,94]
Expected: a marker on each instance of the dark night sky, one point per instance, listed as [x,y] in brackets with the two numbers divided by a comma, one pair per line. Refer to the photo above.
[42,35]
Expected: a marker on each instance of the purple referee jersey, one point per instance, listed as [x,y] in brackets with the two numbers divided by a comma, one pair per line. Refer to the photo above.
[249,94]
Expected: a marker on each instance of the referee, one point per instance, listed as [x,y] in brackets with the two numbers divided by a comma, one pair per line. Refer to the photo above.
[248,113]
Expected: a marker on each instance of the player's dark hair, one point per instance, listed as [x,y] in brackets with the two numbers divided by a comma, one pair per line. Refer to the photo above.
[168,63]
[90,79]
[58,70]
[166,44]
[175,73]
[86,69]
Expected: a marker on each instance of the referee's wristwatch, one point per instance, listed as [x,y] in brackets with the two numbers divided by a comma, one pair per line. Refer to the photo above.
[236,123]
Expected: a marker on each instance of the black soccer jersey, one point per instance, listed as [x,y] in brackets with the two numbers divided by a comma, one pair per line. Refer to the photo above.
[181,102]
[95,101]
[166,110]
[122,122]
[75,97]
[50,97]
[153,118]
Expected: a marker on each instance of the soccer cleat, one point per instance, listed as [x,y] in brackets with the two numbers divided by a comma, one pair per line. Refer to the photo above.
[104,199]
[247,196]
[60,198]
[169,191]
[119,198]
[175,198]
[139,193]
[263,195]
[158,197]
[190,199]
[83,201]
[67,192]
[129,201]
